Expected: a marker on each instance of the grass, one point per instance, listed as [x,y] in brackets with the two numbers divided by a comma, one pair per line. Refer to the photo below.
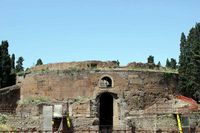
[4,127]
[73,70]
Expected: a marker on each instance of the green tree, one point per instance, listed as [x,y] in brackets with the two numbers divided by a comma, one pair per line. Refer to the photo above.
[182,63]
[159,64]
[39,62]
[189,63]
[173,63]
[118,63]
[168,64]
[5,64]
[182,60]
[7,72]
[150,59]
[195,61]
[1,71]
[13,61]
[19,66]
[13,73]
[190,67]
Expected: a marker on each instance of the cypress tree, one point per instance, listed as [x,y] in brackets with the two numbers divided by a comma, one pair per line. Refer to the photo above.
[173,63]
[5,64]
[182,55]
[19,66]
[195,60]
[182,64]
[189,64]
[1,68]
[159,64]
[13,61]
[7,72]
[12,80]
[189,83]
[168,64]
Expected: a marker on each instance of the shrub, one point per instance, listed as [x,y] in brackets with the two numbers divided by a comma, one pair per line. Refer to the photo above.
[3,118]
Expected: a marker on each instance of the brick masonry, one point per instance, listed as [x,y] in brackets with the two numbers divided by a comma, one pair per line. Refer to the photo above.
[132,91]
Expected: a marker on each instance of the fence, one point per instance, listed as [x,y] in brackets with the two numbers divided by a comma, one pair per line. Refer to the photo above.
[157,111]
[8,110]
[102,131]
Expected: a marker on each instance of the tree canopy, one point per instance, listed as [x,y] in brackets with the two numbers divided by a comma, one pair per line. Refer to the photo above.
[7,77]
[19,66]
[172,64]
[189,63]
[168,64]
[150,59]
[39,62]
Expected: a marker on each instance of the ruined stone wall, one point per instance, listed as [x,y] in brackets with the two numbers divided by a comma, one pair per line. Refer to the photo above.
[136,95]
[133,91]
[60,85]
[8,98]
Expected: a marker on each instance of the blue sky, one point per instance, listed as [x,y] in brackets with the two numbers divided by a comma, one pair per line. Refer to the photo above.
[77,30]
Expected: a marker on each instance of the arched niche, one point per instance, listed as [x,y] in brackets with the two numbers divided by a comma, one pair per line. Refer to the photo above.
[106,81]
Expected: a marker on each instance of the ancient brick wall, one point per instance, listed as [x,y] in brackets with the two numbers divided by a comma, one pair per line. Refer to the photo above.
[136,94]
[9,97]
[85,83]
[132,91]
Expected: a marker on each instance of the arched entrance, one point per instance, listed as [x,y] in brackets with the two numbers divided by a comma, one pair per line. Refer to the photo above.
[106,112]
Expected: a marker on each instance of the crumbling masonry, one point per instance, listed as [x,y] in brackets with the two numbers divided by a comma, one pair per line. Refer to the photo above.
[101,95]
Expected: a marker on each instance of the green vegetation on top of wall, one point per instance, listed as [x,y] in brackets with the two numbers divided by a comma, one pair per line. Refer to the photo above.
[164,70]
[73,71]
[33,100]
[168,76]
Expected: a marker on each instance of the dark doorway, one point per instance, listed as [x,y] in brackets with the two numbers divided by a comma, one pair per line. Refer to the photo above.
[106,112]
